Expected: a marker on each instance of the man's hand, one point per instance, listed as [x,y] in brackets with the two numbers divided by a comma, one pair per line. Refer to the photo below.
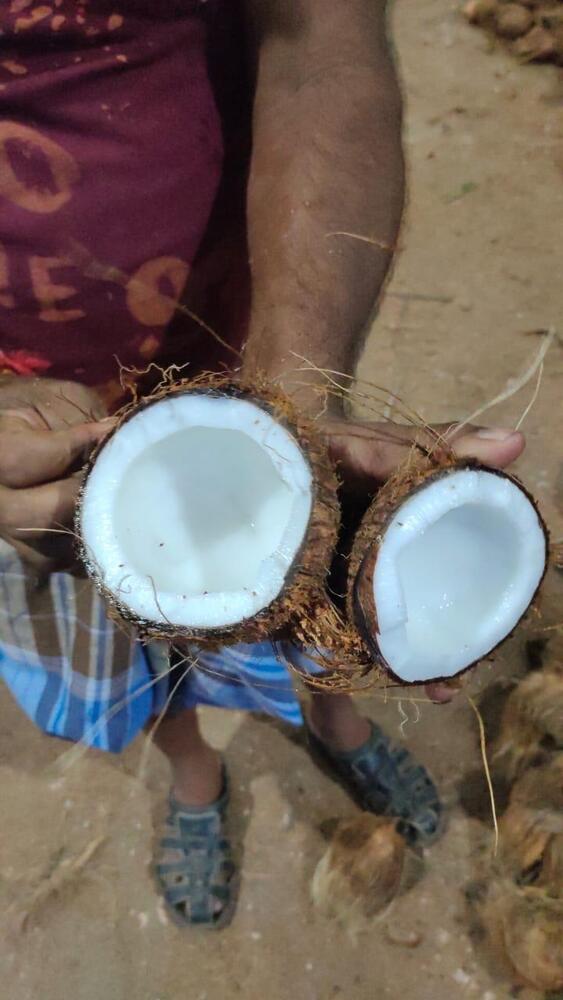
[47,429]
[366,454]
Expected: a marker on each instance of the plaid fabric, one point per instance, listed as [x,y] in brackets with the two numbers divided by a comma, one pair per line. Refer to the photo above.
[77,675]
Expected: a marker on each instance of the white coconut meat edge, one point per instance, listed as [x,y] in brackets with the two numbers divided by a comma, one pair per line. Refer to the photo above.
[457,568]
[195,510]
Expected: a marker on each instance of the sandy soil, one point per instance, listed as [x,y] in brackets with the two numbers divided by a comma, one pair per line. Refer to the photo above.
[481,267]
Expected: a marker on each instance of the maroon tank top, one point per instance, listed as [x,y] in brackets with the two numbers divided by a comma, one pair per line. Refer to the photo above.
[123,147]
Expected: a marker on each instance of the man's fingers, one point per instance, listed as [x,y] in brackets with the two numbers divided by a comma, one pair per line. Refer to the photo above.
[492,446]
[442,692]
[32,456]
[41,507]
[371,453]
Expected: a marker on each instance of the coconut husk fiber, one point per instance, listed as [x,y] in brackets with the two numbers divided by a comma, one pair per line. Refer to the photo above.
[361,871]
[518,900]
[531,724]
[531,829]
[524,932]
[531,29]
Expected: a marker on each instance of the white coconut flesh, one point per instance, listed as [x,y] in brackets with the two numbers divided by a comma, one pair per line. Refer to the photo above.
[195,510]
[457,568]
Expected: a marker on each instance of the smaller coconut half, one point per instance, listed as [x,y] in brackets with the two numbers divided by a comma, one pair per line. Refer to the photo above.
[209,513]
[444,566]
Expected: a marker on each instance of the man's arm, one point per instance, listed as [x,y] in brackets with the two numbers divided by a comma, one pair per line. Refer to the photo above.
[326,158]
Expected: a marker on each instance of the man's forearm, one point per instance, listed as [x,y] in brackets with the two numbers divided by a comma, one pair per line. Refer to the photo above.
[326,159]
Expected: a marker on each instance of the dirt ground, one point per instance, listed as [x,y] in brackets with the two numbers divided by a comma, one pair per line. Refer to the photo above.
[480,268]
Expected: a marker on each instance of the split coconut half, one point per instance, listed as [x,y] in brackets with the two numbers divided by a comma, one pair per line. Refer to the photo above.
[209,513]
[443,568]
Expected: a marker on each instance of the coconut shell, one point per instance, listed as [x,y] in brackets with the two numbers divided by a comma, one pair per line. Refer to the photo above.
[410,479]
[361,872]
[304,589]
[524,927]
[532,722]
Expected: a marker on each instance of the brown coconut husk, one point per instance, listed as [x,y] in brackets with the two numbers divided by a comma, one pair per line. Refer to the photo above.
[361,872]
[480,11]
[531,829]
[538,45]
[513,20]
[420,471]
[303,597]
[532,723]
[524,928]
[533,29]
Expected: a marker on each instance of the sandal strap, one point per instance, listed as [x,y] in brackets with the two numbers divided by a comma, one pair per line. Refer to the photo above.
[387,780]
[198,871]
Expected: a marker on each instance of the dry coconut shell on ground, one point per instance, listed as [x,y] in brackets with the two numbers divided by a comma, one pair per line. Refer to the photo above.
[532,722]
[361,871]
[210,513]
[446,562]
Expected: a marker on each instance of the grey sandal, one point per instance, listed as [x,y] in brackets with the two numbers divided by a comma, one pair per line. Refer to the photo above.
[385,779]
[195,870]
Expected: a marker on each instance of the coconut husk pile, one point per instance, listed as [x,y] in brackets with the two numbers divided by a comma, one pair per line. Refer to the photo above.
[520,907]
[532,723]
[532,29]
[519,899]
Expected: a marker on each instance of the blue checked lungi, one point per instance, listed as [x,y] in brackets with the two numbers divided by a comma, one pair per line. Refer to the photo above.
[79,676]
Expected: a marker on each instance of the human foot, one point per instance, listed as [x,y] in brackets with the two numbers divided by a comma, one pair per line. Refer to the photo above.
[197,779]
[382,778]
[336,722]
[194,866]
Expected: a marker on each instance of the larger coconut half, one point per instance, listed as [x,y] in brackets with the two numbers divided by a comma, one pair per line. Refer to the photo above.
[209,514]
[444,571]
